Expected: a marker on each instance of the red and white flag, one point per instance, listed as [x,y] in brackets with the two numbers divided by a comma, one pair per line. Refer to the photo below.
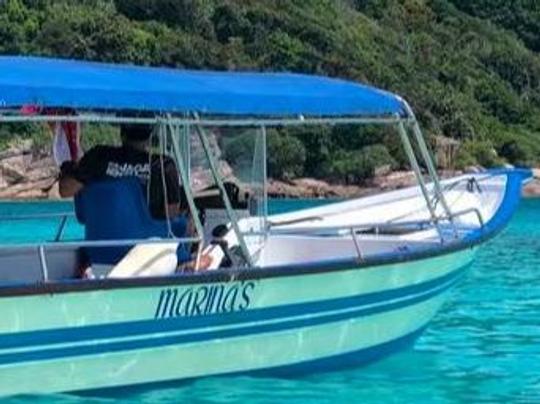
[66,144]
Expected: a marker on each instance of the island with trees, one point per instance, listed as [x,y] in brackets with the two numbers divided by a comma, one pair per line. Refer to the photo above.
[470,69]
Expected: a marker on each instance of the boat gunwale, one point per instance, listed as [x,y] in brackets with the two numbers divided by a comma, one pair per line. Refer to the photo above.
[491,229]
[230,274]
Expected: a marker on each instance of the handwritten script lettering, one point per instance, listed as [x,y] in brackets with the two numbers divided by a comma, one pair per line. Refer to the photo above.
[204,300]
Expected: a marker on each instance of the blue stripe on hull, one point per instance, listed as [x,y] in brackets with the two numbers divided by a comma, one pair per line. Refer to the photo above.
[353,359]
[147,327]
[201,337]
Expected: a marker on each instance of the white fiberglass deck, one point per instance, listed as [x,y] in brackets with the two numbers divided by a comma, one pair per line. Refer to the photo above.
[382,224]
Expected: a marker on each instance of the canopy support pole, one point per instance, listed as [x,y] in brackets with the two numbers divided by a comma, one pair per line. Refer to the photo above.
[184,176]
[432,172]
[186,146]
[228,206]
[426,155]
[265,173]
[418,174]
[181,146]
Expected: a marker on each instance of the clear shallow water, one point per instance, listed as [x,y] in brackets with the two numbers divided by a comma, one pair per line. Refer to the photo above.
[484,345]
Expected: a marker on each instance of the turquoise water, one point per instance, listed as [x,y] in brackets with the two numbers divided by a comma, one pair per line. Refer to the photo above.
[484,345]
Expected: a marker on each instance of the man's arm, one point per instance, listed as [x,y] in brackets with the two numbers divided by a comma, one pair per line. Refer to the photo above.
[74,175]
[68,185]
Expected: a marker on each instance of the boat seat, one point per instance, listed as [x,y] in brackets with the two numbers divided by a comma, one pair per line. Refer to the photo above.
[116,209]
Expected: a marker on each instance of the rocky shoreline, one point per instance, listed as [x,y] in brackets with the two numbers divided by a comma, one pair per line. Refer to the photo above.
[314,188]
[28,175]
[532,188]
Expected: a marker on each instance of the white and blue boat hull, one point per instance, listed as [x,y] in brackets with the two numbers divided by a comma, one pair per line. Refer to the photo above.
[117,337]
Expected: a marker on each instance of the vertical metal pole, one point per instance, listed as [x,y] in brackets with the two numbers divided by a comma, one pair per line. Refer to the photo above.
[418,174]
[429,162]
[43,263]
[189,195]
[186,147]
[162,152]
[226,200]
[265,175]
[61,228]
[181,145]
[431,168]
[357,244]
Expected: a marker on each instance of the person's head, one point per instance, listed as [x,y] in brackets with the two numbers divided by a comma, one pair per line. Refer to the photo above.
[137,135]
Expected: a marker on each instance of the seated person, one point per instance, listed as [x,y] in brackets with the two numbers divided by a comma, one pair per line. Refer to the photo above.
[131,159]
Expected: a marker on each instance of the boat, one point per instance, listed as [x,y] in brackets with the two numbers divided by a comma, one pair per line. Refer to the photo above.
[343,284]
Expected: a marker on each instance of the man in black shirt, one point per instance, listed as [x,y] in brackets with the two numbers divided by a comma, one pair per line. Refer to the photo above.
[158,174]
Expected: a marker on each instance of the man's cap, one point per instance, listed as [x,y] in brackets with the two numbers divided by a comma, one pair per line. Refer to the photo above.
[136,131]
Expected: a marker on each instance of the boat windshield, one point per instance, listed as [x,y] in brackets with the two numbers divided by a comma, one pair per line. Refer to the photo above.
[239,156]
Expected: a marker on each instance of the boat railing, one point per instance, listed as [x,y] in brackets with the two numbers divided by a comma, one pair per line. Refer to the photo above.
[375,228]
[42,247]
[32,216]
[467,211]
[273,228]
[102,243]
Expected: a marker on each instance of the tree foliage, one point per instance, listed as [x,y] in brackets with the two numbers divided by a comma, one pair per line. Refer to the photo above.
[356,166]
[469,68]
[286,156]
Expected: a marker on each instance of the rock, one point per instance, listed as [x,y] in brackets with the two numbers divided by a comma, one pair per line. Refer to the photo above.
[383,170]
[449,173]
[312,188]
[21,148]
[473,170]
[279,189]
[395,180]
[22,176]
[27,190]
[201,178]
[31,194]
[12,176]
[12,170]
[53,192]
[532,188]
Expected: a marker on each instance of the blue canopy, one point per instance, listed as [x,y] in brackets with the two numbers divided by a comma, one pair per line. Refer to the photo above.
[88,85]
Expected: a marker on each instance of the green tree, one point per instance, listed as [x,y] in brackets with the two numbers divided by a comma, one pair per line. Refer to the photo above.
[470,69]
[286,156]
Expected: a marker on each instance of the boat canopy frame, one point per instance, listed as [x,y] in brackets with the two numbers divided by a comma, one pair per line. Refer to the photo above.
[195,119]
[102,93]
[169,124]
